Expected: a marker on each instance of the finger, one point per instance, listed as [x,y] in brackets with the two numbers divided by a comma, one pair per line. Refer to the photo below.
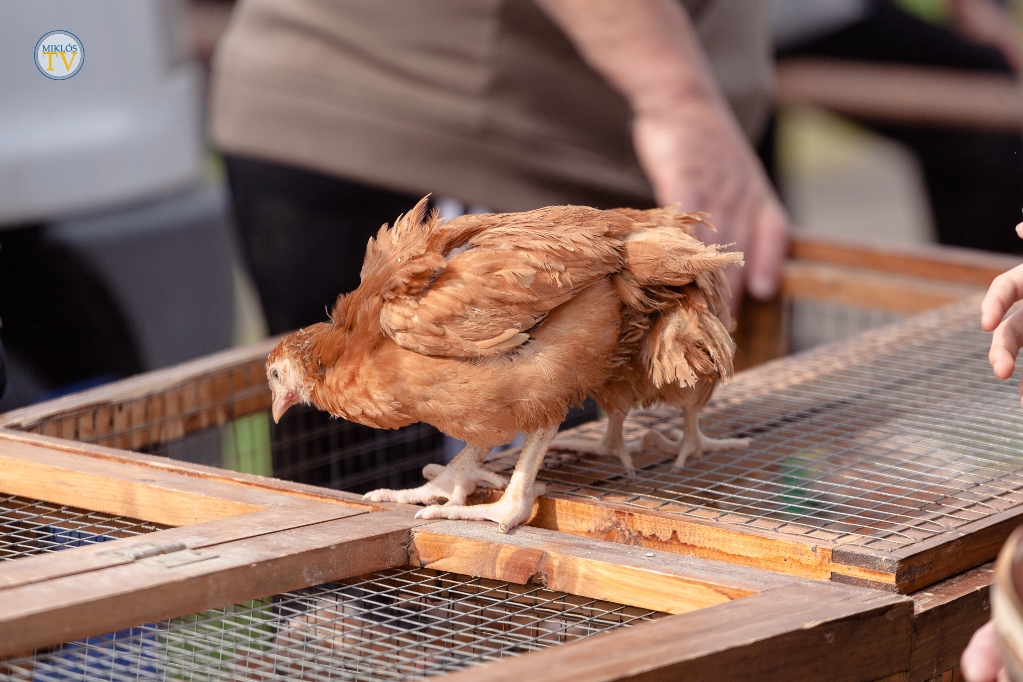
[1005,290]
[769,246]
[1005,344]
[981,660]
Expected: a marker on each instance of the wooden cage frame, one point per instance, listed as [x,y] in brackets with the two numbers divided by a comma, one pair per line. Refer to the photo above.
[244,537]
[262,531]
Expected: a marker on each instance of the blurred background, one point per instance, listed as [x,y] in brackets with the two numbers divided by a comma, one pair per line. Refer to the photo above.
[894,122]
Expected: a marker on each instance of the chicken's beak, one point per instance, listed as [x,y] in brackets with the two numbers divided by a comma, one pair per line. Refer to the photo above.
[281,403]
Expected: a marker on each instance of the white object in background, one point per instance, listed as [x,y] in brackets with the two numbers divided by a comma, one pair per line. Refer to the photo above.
[125,127]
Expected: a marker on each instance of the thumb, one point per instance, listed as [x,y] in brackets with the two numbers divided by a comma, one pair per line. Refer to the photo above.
[768,248]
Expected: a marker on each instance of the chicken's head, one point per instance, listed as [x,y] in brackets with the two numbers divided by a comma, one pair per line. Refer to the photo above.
[287,376]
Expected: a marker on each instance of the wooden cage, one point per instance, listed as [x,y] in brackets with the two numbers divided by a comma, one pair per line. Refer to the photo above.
[882,466]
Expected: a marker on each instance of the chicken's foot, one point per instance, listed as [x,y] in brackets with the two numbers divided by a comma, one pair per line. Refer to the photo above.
[612,444]
[454,482]
[516,504]
[690,442]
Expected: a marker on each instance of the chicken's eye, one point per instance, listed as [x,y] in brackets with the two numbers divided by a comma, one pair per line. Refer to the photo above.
[276,375]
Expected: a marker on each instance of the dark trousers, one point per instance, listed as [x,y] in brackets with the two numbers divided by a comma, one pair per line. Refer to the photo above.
[974,178]
[304,235]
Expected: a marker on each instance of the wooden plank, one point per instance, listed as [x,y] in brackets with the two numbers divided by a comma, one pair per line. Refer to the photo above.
[762,332]
[865,289]
[928,261]
[198,471]
[43,567]
[902,94]
[157,588]
[104,492]
[945,617]
[134,411]
[150,382]
[627,575]
[904,571]
[746,546]
[800,632]
[951,553]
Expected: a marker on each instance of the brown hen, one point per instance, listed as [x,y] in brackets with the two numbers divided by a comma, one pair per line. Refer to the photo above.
[488,326]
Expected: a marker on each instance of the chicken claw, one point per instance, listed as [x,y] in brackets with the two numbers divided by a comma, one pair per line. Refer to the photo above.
[508,512]
[454,482]
[516,504]
[612,444]
[687,446]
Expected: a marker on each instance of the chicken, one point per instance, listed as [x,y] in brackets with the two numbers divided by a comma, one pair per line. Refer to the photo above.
[488,326]
[675,349]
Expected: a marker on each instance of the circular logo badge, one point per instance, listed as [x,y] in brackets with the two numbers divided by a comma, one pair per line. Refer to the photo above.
[59,55]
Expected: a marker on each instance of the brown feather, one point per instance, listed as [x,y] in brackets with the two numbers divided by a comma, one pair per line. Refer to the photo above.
[491,325]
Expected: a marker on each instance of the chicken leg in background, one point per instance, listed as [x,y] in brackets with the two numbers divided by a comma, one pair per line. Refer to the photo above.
[492,325]
[674,347]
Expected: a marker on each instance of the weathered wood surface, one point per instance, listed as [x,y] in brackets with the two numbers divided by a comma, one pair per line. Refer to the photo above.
[902,94]
[950,264]
[136,492]
[42,567]
[252,482]
[945,617]
[869,289]
[157,407]
[799,632]
[188,581]
[626,575]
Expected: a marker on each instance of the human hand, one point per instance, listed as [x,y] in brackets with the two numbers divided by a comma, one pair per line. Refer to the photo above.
[1005,290]
[982,662]
[685,136]
[695,156]
[988,23]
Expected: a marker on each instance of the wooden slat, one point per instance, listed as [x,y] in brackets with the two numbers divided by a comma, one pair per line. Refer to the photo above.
[800,632]
[43,567]
[946,555]
[681,535]
[627,575]
[950,264]
[903,94]
[134,496]
[192,470]
[867,289]
[761,333]
[945,617]
[129,410]
[150,590]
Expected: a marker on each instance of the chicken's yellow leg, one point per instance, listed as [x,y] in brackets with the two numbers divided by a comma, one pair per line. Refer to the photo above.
[454,482]
[516,504]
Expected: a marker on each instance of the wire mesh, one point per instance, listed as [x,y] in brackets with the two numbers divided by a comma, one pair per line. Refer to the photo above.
[309,446]
[812,323]
[882,442]
[393,624]
[29,527]
[222,419]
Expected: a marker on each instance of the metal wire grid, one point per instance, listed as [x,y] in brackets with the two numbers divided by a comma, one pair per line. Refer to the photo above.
[883,442]
[30,527]
[812,323]
[393,624]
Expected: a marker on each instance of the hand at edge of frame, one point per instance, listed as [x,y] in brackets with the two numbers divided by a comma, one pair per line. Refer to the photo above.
[1004,291]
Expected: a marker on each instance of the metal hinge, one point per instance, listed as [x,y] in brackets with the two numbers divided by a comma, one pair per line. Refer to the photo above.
[168,556]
